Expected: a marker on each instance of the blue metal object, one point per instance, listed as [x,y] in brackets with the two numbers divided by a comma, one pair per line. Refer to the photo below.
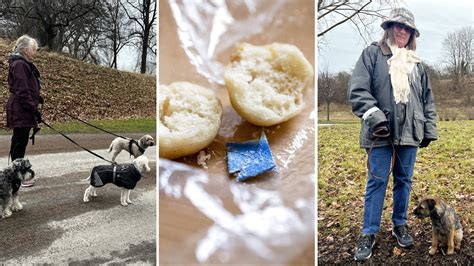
[249,158]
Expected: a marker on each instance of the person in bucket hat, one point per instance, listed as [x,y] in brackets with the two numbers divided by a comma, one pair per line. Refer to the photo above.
[401,16]
[390,92]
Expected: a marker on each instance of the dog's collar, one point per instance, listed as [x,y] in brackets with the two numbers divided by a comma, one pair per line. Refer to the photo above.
[130,144]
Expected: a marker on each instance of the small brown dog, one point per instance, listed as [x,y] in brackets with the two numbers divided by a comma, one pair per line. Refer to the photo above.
[447,229]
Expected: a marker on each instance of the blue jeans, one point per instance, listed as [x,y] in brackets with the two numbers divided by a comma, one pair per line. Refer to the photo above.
[380,164]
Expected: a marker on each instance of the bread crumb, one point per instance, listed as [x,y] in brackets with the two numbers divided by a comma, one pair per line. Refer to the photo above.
[202,158]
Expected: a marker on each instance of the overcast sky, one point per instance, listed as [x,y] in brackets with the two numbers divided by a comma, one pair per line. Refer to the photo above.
[433,18]
[127,59]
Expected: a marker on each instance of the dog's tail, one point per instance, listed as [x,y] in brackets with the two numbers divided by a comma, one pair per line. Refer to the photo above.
[110,147]
[88,179]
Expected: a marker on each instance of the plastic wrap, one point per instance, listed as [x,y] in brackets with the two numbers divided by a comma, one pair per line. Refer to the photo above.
[207,28]
[206,216]
[265,228]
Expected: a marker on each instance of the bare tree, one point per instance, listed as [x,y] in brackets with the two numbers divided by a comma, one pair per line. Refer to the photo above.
[116,32]
[326,88]
[47,20]
[457,48]
[341,81]
[83,38]
[361,14]
[143,14]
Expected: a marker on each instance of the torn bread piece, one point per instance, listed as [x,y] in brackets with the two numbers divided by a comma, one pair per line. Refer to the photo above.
[190,116]
[266,84]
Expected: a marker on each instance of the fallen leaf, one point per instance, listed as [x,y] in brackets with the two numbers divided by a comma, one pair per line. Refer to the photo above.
[396,251]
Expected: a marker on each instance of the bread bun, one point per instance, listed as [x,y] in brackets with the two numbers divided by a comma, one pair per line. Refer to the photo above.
[190,116]
[266,83]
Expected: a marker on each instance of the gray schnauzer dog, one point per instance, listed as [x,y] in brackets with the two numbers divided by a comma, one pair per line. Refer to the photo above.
[10,182]
[135,148]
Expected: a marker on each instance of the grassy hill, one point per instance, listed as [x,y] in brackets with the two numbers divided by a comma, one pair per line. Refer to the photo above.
[89,91]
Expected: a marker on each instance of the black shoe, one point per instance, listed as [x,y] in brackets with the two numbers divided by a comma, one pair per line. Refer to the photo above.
[364,247]
[404,238]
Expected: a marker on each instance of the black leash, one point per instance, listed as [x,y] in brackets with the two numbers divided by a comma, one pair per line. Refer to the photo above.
[96,127]
[132,141]
[35,131]
[71,140]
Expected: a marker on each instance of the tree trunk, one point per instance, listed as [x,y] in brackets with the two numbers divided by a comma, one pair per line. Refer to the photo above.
[146,34]
[144,52]
[327,109]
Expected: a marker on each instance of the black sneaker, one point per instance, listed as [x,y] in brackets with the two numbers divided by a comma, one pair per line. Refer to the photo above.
[404,238]
[364,247]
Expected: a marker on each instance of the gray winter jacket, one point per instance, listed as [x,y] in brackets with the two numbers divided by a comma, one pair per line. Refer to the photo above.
[371,96]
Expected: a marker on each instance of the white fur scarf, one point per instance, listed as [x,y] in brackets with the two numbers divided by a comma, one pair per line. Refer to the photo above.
[401,65]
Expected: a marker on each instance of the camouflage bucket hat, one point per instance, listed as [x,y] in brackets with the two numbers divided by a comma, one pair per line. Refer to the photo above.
[402,16]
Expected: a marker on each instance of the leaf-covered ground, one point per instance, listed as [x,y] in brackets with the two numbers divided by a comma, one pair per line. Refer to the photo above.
[89,91]
[444,169]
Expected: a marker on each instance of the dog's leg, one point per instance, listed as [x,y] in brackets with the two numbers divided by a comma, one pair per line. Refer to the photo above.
[7,208]
[115,153]
[128,196]
[458,239]
[434,243]
[17,206]
[93,192]
[123,197]
[87,193]
[451,241]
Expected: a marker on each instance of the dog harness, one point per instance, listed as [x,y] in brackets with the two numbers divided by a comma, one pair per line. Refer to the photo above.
[123,175]
[130,144]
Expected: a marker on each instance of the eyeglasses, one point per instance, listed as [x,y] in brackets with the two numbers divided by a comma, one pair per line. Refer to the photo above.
[404,27]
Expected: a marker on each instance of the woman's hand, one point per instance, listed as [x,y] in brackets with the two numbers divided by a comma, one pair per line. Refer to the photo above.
[39,117]
[381,131]
[425,142]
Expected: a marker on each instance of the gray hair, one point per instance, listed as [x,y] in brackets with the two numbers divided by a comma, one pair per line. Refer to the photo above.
[24,42]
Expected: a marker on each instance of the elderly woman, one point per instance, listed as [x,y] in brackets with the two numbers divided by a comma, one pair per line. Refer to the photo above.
[390,92]
[22,105]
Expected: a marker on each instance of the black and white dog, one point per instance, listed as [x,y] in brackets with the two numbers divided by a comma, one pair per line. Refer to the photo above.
[135,148]
[125,176]
[10,182]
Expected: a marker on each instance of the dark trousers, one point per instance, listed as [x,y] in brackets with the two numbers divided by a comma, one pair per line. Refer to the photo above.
[19,142]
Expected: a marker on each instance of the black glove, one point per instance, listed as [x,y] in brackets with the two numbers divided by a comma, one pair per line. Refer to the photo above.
[39,117]
[425,142]
[381,131]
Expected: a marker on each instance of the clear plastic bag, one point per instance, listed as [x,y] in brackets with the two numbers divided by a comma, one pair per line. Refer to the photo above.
[207,28]
[265,228]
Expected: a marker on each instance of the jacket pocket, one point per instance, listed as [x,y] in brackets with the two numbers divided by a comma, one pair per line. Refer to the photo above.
[418,126]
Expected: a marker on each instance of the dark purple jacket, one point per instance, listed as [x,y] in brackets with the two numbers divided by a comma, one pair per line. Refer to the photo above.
[24,83]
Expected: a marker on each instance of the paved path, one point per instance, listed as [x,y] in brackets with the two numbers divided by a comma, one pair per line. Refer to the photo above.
[56,226]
